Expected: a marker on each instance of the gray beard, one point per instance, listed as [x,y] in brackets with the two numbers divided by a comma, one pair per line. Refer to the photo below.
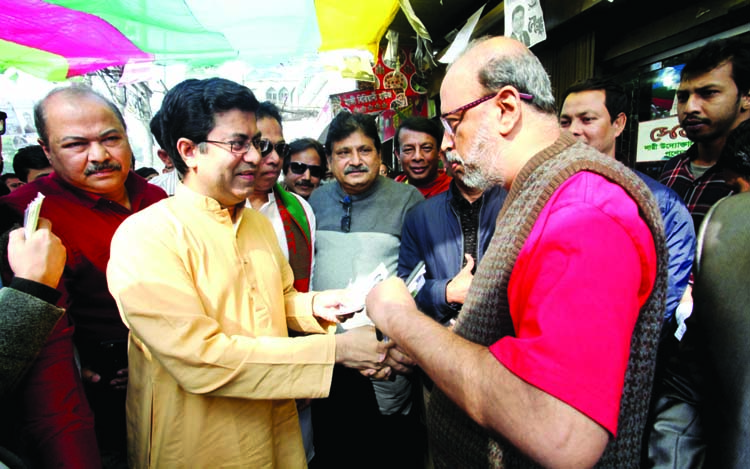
[474,179]
[482,152]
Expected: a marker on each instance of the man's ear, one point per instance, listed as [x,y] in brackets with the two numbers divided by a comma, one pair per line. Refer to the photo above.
[745,102]
[45,148]
[188,151]
[619,123]
[508,101]
[163,156]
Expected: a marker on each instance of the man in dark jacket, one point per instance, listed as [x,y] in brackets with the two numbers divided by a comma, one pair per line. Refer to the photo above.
[449,232]
[595,112]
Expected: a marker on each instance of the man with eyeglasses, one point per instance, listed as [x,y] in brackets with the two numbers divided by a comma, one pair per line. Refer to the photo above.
[360,216]
[552,357]
[304,167]
[208,296]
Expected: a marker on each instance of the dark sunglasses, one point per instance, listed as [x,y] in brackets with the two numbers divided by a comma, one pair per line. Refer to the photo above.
[300,168]
[346,220]
[266,147]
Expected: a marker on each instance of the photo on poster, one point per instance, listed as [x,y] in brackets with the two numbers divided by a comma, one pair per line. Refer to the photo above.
[524,21]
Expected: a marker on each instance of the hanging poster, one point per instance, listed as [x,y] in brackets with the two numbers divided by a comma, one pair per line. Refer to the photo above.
[524,21]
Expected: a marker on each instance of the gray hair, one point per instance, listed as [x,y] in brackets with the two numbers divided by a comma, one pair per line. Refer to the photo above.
[522,71]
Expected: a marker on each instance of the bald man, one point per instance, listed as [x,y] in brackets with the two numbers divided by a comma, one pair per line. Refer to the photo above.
[551,361]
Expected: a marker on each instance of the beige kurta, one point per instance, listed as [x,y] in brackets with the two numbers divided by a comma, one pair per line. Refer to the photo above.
[213,373]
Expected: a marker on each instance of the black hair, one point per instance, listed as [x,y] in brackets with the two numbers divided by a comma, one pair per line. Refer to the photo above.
[615,98]
[420,124]
[189,110]
[346,123]
[268,109]
[145,172]
[518,9]
[302,144]
[74,90]
[155,126]
[735,156]
[28,158]
[7,176]
[715,53]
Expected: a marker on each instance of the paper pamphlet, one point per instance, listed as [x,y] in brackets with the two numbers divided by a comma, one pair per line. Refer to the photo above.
[358,291]
[415,281]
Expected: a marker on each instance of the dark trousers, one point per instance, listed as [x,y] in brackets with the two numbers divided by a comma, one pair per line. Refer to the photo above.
[109,417]
[349,430]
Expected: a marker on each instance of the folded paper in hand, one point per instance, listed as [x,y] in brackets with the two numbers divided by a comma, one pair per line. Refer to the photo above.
[31,215]
[357,292]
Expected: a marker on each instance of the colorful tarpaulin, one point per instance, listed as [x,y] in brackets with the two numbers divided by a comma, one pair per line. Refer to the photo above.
[58,39]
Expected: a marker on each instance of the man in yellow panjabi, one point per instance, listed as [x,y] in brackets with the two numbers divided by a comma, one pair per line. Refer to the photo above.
[208,297]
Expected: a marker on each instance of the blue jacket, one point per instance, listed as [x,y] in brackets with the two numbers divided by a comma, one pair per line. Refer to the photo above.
[680,233]
[432,233]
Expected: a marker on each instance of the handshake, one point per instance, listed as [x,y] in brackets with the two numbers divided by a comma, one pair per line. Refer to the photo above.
[359,348]
[362,346]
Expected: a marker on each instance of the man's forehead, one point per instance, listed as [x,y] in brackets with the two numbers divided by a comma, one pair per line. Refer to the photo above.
[235,122]
[82,115]
[459,87]
[354,139]
[305,154]
[270,127]
[587,100]
[418,135]
[720,75]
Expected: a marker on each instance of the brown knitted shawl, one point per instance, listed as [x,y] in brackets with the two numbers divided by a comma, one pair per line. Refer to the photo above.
[456,440]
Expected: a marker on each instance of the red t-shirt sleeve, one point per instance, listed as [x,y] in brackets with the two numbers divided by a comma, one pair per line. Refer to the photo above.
[574,296]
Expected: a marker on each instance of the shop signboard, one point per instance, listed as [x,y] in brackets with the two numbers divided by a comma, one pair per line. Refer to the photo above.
[661,139]
[365,102]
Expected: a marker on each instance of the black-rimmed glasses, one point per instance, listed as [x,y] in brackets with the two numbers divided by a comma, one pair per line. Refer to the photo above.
[263,145]
[240,147]
[450,128]
[346,220]
[299,168]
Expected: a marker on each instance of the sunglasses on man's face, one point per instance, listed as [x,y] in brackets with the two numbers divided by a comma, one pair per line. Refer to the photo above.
[265,147]
[300,168]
